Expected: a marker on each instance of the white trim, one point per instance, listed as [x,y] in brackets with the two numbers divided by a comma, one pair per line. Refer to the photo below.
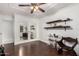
[47,42]
[25,41]
[7,43]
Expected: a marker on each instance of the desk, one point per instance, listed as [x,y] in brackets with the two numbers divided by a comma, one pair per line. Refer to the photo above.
[53,43]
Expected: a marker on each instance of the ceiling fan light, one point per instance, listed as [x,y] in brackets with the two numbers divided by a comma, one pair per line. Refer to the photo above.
[31,7]
[35,9]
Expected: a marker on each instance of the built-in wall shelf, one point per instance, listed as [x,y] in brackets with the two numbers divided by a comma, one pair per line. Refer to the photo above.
[58,21]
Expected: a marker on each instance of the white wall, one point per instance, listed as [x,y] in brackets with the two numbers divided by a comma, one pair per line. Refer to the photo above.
[26,21]
[68,12]
[6,29]
[0,31]
[9,28]
[7,32]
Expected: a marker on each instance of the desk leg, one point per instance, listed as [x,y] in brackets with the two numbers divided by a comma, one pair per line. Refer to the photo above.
[55,45]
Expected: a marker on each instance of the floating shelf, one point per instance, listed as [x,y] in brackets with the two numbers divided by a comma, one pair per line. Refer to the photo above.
[58,21]
[59,27]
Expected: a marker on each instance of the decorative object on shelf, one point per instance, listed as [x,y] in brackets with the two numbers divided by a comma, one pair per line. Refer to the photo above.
[26,29]
[21,28]
[32,27]
[59,26]
[32,35]
[25,36]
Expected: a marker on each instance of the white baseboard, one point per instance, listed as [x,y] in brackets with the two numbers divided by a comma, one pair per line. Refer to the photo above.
[25,41]
[7,43]
[45,41]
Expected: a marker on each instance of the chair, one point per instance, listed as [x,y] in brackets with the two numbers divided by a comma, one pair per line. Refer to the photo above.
[67,43]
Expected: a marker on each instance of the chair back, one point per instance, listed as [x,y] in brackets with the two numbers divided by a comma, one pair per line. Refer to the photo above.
[69,39]
[68,43]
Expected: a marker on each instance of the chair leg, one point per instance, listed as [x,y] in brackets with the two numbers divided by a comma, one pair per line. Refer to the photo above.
[60,51]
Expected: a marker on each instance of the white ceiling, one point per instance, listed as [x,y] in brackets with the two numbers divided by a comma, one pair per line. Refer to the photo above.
[50,8]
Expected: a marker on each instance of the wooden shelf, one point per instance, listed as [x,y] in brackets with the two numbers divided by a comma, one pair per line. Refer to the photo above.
[59,27]
[58,21]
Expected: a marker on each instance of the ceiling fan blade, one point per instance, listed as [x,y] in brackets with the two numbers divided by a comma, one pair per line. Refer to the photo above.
[41,9]
[24,5]
[33,4]
[41,3]
[32,10]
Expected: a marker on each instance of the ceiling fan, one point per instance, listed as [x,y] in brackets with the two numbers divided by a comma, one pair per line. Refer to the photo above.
[34,6]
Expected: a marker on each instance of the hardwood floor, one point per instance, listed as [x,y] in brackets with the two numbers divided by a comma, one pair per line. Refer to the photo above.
[36,48]
[9,49]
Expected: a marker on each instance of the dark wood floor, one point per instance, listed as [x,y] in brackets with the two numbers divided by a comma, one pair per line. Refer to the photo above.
[36,48]
[9,49]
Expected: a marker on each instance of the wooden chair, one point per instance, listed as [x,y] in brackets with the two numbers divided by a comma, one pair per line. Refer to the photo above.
[62,43]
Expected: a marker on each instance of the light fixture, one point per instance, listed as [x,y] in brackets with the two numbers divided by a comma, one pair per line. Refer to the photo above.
[34,7]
